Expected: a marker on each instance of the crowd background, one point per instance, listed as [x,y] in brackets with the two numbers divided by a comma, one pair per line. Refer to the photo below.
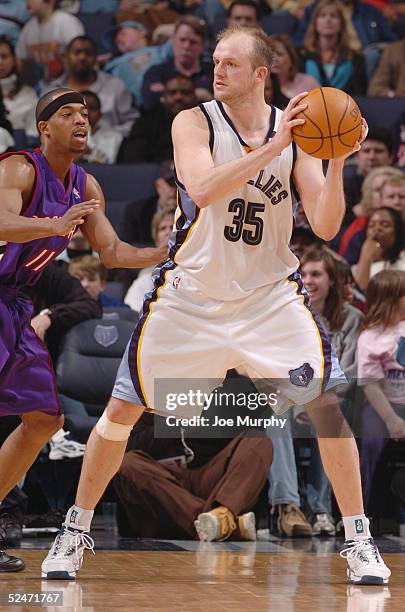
[139,63]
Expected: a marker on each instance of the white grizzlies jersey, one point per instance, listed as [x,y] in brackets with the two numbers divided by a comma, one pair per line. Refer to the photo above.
[241,242]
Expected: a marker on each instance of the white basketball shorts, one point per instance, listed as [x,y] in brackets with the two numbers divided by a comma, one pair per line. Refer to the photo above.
[185,339]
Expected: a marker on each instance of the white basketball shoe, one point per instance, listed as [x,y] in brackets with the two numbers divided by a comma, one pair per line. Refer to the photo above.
[66,555]
[365,565]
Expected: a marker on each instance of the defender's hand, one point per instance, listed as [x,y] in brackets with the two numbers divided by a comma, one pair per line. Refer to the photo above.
[74,216]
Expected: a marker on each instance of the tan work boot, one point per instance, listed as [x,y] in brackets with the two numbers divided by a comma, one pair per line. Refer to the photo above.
[292,523]
[218,524]
[247,526]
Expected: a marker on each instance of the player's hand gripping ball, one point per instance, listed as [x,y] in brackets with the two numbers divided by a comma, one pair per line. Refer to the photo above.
[332,125]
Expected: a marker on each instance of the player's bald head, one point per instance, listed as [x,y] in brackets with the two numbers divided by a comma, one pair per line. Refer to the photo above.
[51,101]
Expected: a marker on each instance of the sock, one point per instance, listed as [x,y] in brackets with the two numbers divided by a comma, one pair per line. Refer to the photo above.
[79,518]
[356,527]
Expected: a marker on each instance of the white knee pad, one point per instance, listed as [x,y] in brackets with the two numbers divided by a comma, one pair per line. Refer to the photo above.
[112,431]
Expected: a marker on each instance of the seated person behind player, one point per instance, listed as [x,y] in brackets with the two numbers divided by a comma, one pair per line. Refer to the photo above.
[93,277]
[103,142]
[286,67]
[188,43]
[168,489]
[134,56]
[139,214]
[19,99]
[383,248]
[328,53]
[381,370]
[374,194]
[150,139]
[162,225]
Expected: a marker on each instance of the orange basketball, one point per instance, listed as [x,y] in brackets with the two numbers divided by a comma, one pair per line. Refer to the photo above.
[332,126]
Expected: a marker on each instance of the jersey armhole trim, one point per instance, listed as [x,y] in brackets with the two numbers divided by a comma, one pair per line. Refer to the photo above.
[294,190]
[210,126]
[28,156]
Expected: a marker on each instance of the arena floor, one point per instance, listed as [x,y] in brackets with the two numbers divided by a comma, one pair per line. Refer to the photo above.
[172,575]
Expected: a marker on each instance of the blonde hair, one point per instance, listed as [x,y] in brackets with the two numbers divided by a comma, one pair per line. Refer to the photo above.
[261,53]
[348,41]
[367,187]
[157,220]
[89,267]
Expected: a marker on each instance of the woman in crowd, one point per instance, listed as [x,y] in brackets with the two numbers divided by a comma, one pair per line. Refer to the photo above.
[381,370]
[330,52]
[286,67]
[162,225]
[383,248]
[19,99]
[354,235]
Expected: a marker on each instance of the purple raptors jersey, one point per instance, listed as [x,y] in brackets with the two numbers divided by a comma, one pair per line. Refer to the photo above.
[22,264]
[27,381]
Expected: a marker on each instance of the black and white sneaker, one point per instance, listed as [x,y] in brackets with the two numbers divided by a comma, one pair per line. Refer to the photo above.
[365,565]
[66,555]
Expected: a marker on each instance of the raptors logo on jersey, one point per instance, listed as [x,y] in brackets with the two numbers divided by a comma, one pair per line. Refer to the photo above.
[239,243]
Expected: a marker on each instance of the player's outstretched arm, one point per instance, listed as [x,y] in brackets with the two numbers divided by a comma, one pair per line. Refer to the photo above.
[114,253]
[322,197]
[17,184]
[206,183]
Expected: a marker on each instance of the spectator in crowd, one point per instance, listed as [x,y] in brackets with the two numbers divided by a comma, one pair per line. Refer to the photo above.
[375,151]
[371,199]
[151,14]
[81,74]
[273,94]
[93,276]
[188,43]
[6,130]
[135,56]
[383,248]
[389,77]
[45,36]
[243,13]
[150,138]
[161,228]
[138,215]
[371,190]
[103,143]
[328,53]
[321,277]
[19,99]
[381,371]
[207,493]
[286,67]
[369,26]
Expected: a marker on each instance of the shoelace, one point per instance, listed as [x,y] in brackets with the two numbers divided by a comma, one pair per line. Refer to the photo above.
[364,549]
[74,541]
[228,525]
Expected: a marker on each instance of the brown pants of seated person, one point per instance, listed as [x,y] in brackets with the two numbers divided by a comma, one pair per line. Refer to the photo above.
[163,502]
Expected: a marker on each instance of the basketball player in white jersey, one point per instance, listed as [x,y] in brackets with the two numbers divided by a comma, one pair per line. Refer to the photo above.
[229,295]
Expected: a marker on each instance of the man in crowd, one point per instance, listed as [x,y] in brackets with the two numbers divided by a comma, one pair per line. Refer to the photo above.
[188,43]
[81,75]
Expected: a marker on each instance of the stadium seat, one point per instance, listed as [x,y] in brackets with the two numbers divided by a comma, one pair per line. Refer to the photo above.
[89,360]
[115,313]
[279,24]
[382,112]
[122,184]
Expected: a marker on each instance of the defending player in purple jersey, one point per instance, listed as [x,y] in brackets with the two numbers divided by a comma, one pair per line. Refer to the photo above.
[44,197]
